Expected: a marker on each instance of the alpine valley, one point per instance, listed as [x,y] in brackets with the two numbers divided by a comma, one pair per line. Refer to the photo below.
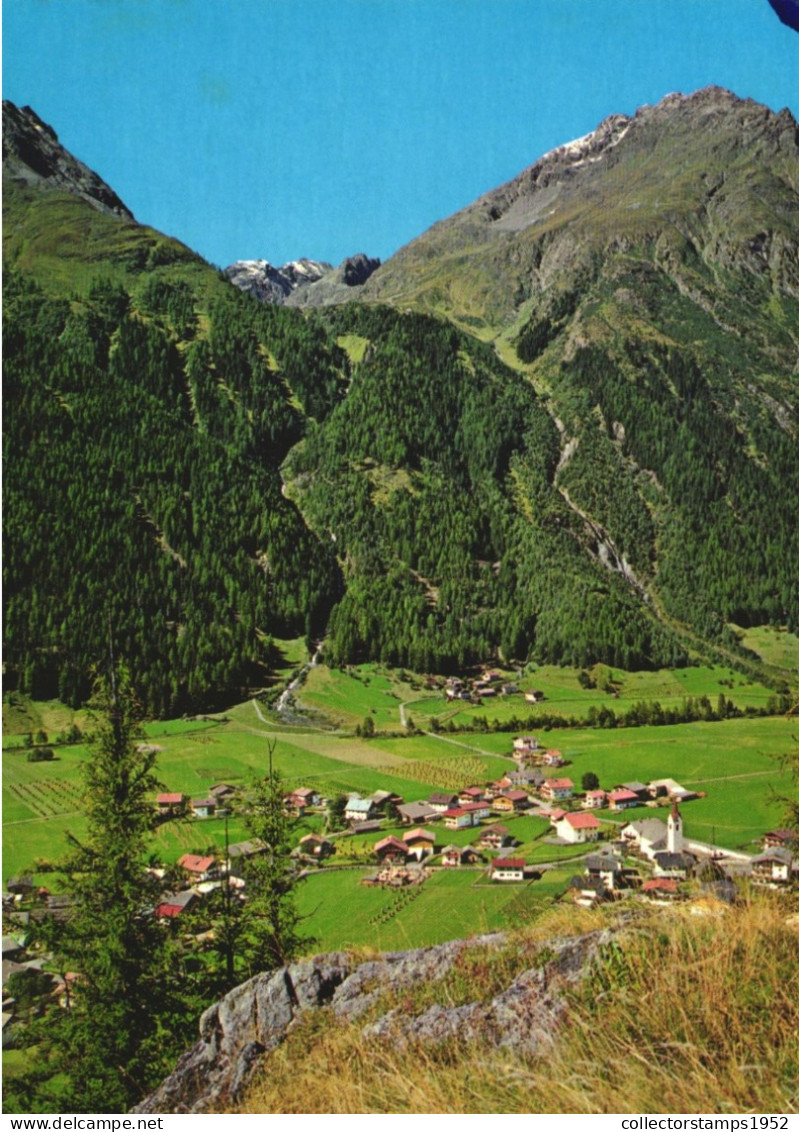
[546,450]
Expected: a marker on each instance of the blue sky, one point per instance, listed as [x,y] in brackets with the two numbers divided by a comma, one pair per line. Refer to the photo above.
[283,128]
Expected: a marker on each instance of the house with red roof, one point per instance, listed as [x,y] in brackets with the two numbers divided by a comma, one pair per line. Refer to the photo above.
[622,799]
[171,805]
[200,868]
[578,828]
[557,789]
[595,800]
[508,868]
[420,843]
[391,849]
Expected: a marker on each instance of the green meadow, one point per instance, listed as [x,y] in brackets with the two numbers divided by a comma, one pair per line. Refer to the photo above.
[735,763]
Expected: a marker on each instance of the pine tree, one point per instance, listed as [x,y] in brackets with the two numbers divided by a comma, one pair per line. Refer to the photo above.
[125,1022]
[271,935]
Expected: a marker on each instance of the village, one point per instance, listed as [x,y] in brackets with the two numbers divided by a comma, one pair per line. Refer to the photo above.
[386,842]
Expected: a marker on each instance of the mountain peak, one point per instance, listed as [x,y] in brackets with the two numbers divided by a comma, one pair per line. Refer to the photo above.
[33,154]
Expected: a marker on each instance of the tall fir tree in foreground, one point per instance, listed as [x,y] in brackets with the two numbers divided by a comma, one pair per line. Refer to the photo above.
[271,933]
[125,1021]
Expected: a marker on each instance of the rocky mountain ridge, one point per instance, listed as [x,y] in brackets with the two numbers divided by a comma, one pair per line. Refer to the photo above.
[32,154]
[303,282]
[730,200]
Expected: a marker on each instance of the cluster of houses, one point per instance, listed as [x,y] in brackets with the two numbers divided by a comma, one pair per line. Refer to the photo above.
[486,686]
[215,804]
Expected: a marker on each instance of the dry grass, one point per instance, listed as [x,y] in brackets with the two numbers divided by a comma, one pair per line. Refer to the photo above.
[685,1013]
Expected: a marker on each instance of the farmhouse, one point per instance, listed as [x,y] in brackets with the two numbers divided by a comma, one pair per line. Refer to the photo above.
[675,865]
[660,889]
[359,809]
[511,801]
[622,799]
[442,802]
[676,793]
[171,804]
[495,837]
[640,790]
[391,849]
[508,868]
[553,758]
[316,846]
[413,812]
[200,868]
[455,855]
[525,745]
[773,867]
[222,791]
[604,867]
[203,807]
[595,800]
[531,777]
[420,843]
[461,818]
[557,789]
[588,890]
[304,796]
[471,794]
[578,828]
[779,839]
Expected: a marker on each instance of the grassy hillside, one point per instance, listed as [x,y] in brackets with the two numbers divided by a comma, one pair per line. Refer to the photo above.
[689,1013]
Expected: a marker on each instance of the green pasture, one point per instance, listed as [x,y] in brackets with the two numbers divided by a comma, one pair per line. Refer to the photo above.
[450,904]
[775,647]
[348,696]
[565,696]
[734,762]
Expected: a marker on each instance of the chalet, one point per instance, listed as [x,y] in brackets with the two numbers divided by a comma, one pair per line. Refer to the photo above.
[173,904]
[203,807]
[460,818]
[773,867]
[411,813]
[391,849]
[557,789]
[495,837]
[314,845]
[471,794]
[382,799]
[359,809]
[305,796]
[442,802]
[508,868]
[606,868]
[222,791]
[530,777]
[677,866]
[588,890]
[553,758]
[779,839]
[511,801]
[595,800]
[525,745]
[170,805]
[535,696]
[578,828]
[553,816]
[420,843]
[199,868]
[481,810]
[622,799]
[453,856]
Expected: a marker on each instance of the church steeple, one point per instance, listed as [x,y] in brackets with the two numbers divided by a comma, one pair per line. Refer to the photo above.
[674,840]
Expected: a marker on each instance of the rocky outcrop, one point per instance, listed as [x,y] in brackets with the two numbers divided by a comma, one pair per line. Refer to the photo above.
[253,1019]
[32,153]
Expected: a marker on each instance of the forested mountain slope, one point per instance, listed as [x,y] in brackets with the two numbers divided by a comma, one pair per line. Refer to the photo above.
[188,472]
